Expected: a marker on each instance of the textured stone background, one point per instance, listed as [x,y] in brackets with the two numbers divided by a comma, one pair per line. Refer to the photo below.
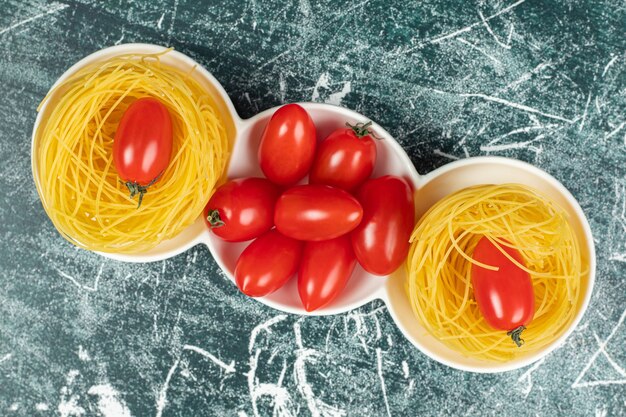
[540,81]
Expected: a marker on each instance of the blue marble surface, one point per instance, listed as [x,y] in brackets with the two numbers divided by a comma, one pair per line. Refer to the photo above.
[540,81]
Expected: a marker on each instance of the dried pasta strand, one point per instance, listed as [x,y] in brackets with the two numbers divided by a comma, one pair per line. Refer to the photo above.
[78,184]
[439,284]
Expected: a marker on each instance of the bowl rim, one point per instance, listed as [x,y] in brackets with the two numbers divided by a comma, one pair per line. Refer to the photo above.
[589,244]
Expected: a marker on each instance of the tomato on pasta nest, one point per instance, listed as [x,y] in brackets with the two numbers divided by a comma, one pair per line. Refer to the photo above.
[440,267]
[79,186]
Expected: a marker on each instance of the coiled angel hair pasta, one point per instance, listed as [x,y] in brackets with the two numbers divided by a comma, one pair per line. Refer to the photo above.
[439,264]
[78,184]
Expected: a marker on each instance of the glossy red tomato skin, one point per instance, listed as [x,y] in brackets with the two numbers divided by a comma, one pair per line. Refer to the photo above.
[245,206]
[316,212]
[505,297]
[324,271]
[381,241]
[287,146]
[142,146]
[267,263]
[343,160]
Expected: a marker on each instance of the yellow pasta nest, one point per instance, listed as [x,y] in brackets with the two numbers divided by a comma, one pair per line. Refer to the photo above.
[77,181]
[439,266]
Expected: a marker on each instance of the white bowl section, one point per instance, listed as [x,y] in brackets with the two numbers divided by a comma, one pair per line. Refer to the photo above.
[391,159]
[362,287]
[190,236]
[475,171]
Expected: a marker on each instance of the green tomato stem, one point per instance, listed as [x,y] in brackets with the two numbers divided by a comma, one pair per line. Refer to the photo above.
[135,188]
[362,130]
[214,219]
[516,335]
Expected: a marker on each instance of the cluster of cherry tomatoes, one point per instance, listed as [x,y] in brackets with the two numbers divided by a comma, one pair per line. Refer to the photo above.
[318,230]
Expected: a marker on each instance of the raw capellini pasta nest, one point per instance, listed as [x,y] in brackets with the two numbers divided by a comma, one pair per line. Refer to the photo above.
[439,263]
[77,180]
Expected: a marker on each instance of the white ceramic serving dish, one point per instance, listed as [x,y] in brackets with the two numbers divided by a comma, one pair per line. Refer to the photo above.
[362,287]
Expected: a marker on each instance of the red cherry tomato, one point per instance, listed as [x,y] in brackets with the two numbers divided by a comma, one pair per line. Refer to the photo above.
[316,212]
[325,269]
[143,141]
[267,264]
[505,297]
[381,241]
[242,209]
[345,158]
[288,145]
[142,146]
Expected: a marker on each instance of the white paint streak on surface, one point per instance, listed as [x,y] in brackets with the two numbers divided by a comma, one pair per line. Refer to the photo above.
[598,106]
[515,145]
[527,76]
[510,35]
[361,328]
[611,62]
[614,131]
[304,355]
[336,98]
[379,333]
[229,368]
[516,106]
[322,82]
[464,139]
[41,407]
[602,351]
[283,403]
[379,365]
[55,8]
[160,21]
[456,33]
[6,357]
[582,123]
[118,42]
[486,24]
[109,402]
[282,86]
[620,257]
[68,405]
[445,155]
[526,129]
[482,51]
[162,400]
[273,59]
[317,407]
[527,376]
[171,29]
[618,215]
[93,288]
[83,355]
[264,326]
[608,357]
